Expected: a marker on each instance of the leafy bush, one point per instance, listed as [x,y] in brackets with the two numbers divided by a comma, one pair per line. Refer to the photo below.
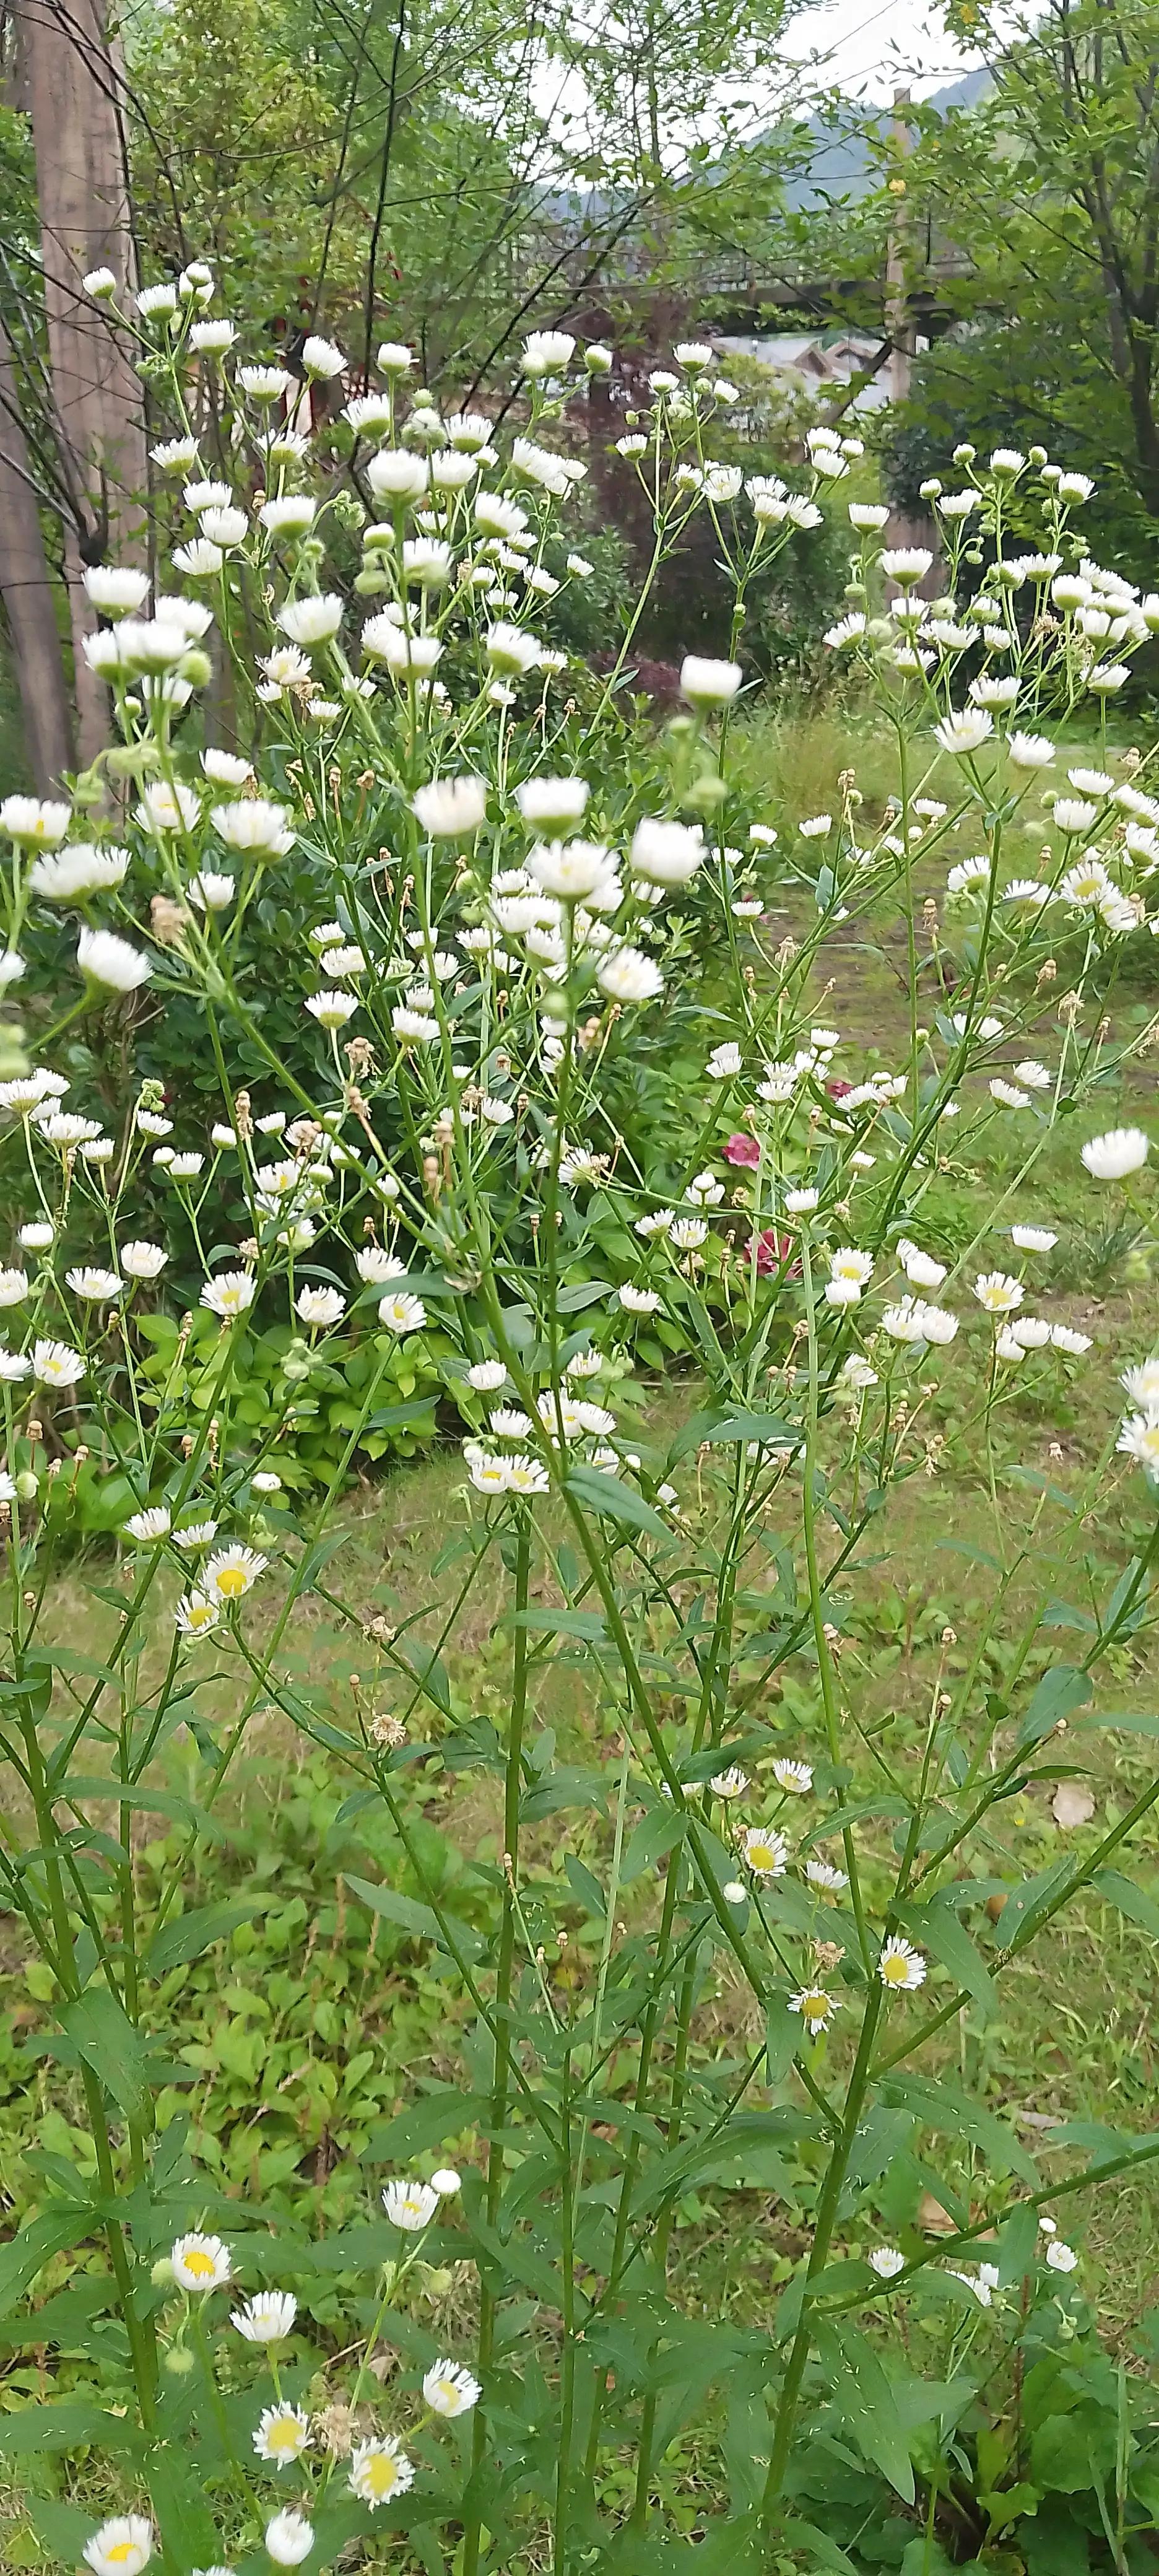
[546,1106]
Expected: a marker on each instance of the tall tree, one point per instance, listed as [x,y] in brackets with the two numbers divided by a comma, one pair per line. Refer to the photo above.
[72,83]
[28,591]
[1051,184]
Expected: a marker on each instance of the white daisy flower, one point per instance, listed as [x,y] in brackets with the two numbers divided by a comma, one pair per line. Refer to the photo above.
[282,2435]
[900,1966]
[228,1576]
[289,2538]
[196,1615]
[998,1293]
[765,1852]
[121,2547]
[200,2262]
[410,2205]
[821,1873]
[816,2007]
[229,1295]
[1115,1155]
[379,2471]
[450,2390]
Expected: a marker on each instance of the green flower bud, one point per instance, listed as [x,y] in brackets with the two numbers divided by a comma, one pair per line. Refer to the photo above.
[706,793]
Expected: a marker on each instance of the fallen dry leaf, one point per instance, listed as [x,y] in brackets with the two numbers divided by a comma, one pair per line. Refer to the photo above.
[933,2220]
[1073,1803]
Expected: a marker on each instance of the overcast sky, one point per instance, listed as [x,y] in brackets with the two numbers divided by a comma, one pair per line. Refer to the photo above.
[872,46]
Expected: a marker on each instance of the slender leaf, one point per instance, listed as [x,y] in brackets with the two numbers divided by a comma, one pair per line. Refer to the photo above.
[863,2396]
[616,1500]
[177,1943]
[101,2029]
[419,1920]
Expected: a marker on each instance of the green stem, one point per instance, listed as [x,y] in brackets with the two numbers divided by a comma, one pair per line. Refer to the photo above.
[501,2085]
[827,2206]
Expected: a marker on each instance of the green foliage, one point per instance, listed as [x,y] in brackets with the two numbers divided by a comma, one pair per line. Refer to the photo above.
[632,1820]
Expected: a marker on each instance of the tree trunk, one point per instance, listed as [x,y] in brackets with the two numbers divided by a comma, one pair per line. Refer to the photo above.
[28,595]
[72,84]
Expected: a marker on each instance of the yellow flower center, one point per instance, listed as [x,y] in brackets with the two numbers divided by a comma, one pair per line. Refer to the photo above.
[284,2435]
[381,2475]
[231,1582]
[815,2007]
[200,2264]
[895,1971]
[201,1614]
[121,2552]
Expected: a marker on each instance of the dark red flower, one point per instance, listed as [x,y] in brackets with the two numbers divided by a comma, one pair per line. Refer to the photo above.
[743,1149]
[837,1089]
[772,1250]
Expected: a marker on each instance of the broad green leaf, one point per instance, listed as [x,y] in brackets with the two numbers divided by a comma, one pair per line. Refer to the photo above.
[748,2134]
[936,1928]
[863,2396]
[65,2529]
[177,2495]
[435,2116]
[178,1942]
[583,1292]
[616,1500]
[585,1887]
[67,1659]
[1129,1721]
[398,1417]
[817,2547]
[565,1786]
[858,1812]
[1058,1694]
[766,1430]
[942,2106]
[157,1802]
[318,1558]
[563,1623]
[102,2031]
[1130,1900]
[1026,1905]
[419,1920]
[1017,2243]
[651,1838]
[782,2038]
[711,1429]
[64,2427]
[54,2232]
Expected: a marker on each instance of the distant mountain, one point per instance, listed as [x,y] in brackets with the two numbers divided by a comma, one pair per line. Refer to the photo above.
[842,164]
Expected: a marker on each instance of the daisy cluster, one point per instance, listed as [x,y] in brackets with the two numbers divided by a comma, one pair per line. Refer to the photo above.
[765,1853]
[337,2448]
[985,2283]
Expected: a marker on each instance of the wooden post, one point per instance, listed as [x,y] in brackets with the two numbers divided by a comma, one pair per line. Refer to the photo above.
[28,594]
[72,83]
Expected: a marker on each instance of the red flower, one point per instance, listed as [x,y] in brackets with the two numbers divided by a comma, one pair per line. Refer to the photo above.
[837,1089]
[771,1250]
[743,1149]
